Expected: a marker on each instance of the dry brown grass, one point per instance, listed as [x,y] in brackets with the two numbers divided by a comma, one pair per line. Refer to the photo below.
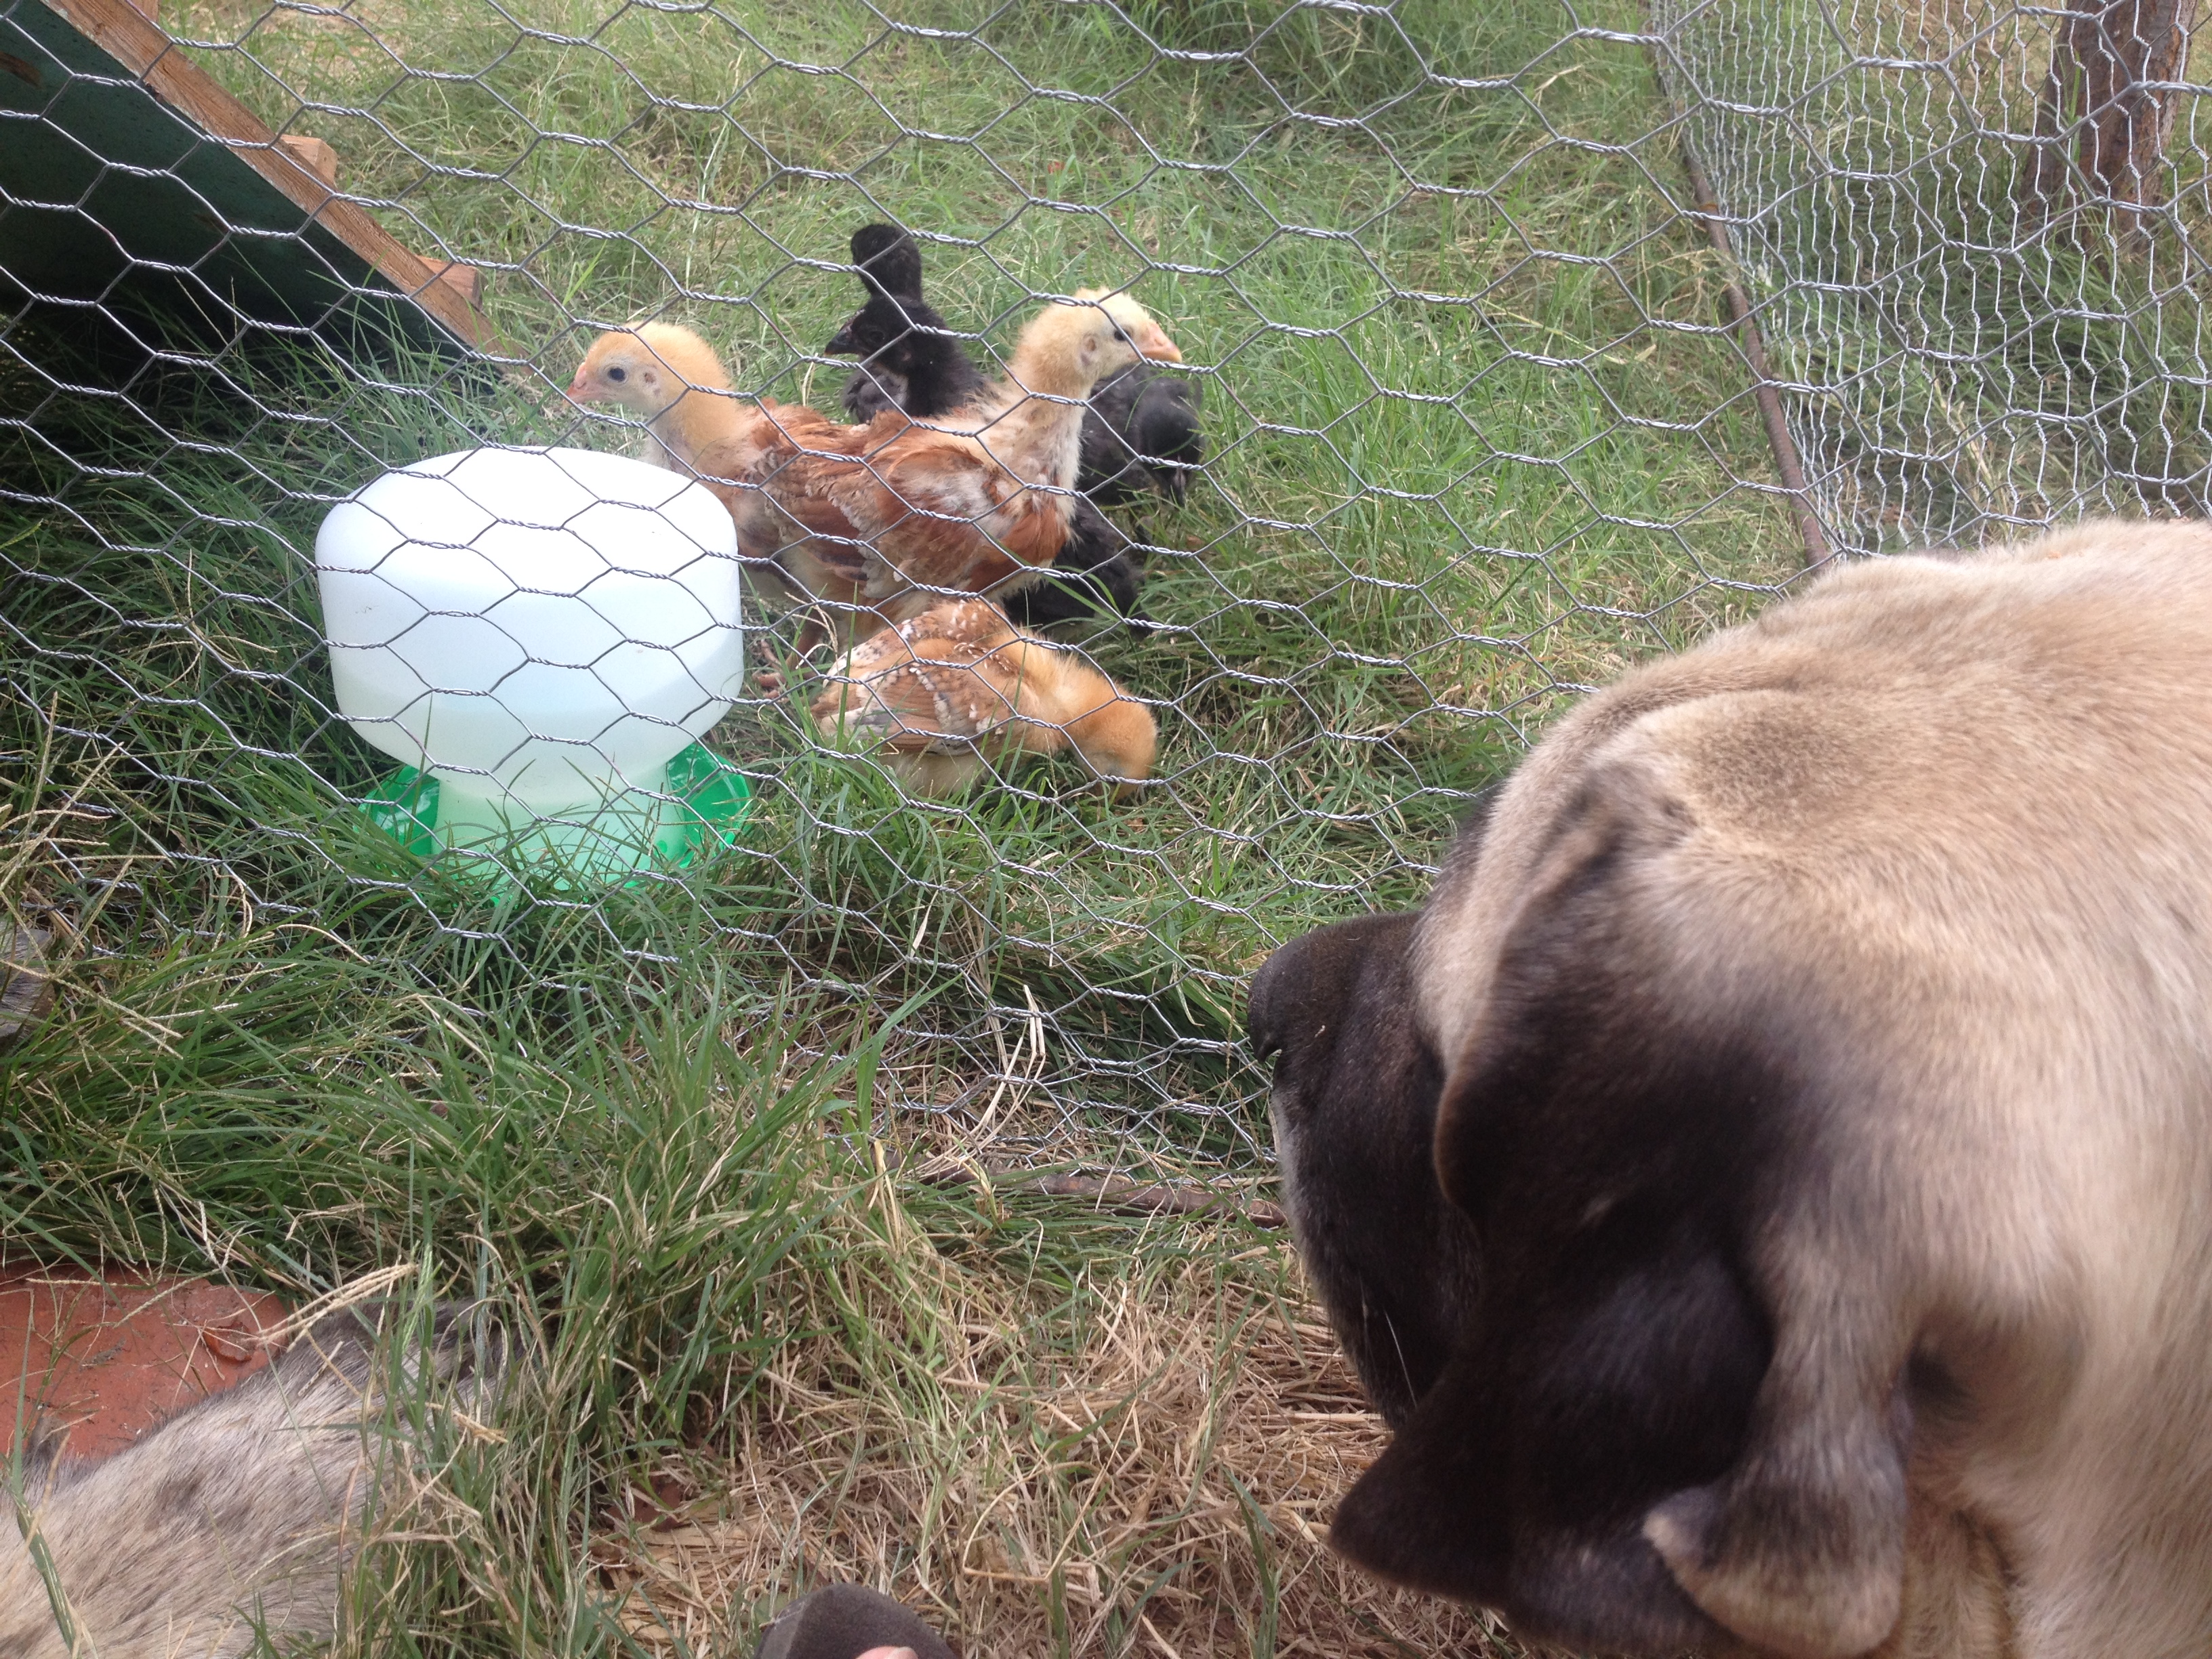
[1137,1457]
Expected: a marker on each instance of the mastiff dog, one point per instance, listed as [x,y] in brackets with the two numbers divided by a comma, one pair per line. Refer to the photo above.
[1768,1186]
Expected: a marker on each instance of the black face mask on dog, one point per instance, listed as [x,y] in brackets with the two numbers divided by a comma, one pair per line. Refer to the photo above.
[1569,1343]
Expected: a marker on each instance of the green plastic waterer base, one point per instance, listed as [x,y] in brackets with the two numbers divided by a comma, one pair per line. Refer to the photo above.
[703,804]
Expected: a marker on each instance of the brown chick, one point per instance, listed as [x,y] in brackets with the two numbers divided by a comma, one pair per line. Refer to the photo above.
[882,520]
[697,424]
[946,694]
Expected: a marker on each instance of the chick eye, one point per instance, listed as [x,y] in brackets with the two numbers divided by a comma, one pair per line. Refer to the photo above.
[617,375]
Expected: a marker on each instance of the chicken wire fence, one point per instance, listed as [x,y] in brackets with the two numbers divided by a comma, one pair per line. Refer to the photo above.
[1483,408]
[1976,236]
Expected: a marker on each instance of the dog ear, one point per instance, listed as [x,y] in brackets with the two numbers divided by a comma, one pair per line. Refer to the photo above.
[1800,1548]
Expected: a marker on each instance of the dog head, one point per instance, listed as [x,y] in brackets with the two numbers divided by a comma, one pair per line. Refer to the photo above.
[1534,1258]
[1660,1173]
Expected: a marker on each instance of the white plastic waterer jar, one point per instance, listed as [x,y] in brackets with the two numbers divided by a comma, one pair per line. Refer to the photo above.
[541,630]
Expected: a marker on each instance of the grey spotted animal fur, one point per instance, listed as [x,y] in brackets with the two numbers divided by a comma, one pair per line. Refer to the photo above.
[240,1511]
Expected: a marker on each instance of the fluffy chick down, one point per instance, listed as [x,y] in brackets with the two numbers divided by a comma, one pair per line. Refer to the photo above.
[947,695]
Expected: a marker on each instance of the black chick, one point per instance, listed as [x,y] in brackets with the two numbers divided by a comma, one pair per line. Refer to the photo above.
[1097,572]
[1140,432]
[911,361]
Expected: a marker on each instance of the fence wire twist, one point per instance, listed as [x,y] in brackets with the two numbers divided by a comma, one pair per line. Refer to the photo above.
[1479,430]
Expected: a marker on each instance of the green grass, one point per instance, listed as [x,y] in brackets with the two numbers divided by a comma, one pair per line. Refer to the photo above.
[1468,461]
[1477,445]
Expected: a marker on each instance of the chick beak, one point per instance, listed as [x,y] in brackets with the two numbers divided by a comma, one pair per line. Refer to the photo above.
[842,344]
[579,392]
[1152,342]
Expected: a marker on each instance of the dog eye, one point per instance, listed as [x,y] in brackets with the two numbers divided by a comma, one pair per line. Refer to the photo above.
[617,375]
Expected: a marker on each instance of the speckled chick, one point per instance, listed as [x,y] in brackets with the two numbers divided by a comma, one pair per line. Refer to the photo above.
[947,695]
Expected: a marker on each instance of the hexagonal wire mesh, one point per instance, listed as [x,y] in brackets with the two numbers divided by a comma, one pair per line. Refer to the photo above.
[1977,231]
[1476,432]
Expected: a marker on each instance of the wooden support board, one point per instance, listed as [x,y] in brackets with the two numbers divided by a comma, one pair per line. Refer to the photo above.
[126,173]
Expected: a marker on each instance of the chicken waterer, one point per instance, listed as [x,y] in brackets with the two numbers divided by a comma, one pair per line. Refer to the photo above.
[542,636]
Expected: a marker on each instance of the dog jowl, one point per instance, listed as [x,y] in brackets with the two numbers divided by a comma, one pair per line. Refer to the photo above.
[1766,1185]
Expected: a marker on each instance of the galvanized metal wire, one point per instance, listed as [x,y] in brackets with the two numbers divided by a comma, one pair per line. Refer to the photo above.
[1979,333]
[1489,414]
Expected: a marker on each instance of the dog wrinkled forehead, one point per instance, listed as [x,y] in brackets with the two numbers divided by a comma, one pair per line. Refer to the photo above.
[1594,774]
[1498,861]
